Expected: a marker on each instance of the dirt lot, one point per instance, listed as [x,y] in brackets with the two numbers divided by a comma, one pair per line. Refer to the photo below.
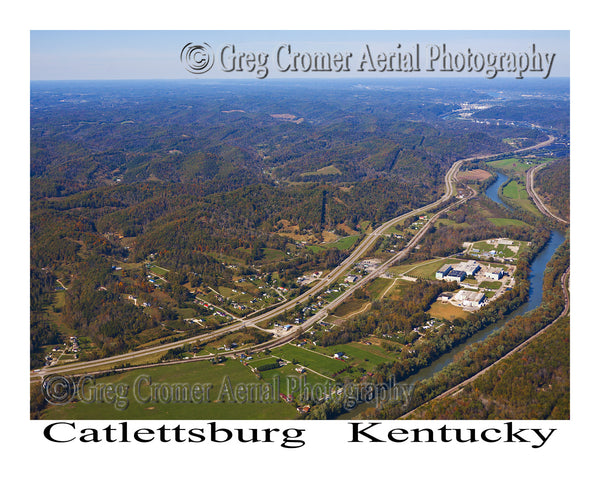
[476,174]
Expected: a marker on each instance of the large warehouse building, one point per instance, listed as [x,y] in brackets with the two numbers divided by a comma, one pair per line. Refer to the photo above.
[469,299]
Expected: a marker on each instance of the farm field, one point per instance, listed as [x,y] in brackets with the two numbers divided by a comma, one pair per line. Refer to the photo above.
[518,165]
[518,193]
[359,354]
[316,361]
[219,377]
[476,174]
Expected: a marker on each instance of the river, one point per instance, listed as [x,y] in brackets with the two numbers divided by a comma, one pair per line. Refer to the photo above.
[536,279]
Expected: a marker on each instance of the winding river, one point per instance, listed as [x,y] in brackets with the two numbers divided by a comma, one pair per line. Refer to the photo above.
[536,279]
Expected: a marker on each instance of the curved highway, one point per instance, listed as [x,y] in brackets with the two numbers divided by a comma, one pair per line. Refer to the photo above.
[536,198]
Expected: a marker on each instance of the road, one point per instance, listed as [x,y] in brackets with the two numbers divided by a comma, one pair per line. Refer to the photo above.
[535,197]
[320,285]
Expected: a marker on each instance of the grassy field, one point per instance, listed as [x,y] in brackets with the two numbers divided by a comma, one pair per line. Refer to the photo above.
[446,311]
[452,223]
[321,363]
[510,165]
[272,255]
[158,270]
[328,170]
[502,222]
[490,285]
[349,306]
[399,287]
[376,288]
[343,243]
[425,269]
[501,250]
[517,165]
[518,193]
[213,385]
[360,355]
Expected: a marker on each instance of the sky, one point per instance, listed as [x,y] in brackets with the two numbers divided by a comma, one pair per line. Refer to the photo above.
[146,54]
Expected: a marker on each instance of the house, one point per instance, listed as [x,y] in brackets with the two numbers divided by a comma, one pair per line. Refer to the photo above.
[338,355]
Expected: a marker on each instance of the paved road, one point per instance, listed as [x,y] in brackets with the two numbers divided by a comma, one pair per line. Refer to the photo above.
[537,200]
[320,285]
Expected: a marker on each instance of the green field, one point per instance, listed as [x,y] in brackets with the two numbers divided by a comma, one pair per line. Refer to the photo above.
[518,165]
[272,255]
[328,170]
[321,363]
[212,382]
[289,380]
[425,269]
[501,250]
[502,222]
[158,270]
[510,164]
[518,193]
[491,285]
[376,288]
[449,222]
[360,355]
[343,243]
[349,306]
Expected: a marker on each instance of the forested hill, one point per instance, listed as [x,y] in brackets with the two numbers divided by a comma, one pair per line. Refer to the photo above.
[87,134]
[553,183]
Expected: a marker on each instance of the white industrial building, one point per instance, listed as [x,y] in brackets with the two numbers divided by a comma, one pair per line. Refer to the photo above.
[469,299]
[455,276]
[442,272]
[458,271]
[495,273]
[470,268]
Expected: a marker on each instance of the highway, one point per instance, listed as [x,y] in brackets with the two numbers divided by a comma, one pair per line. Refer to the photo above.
[535,197]
[321,284]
